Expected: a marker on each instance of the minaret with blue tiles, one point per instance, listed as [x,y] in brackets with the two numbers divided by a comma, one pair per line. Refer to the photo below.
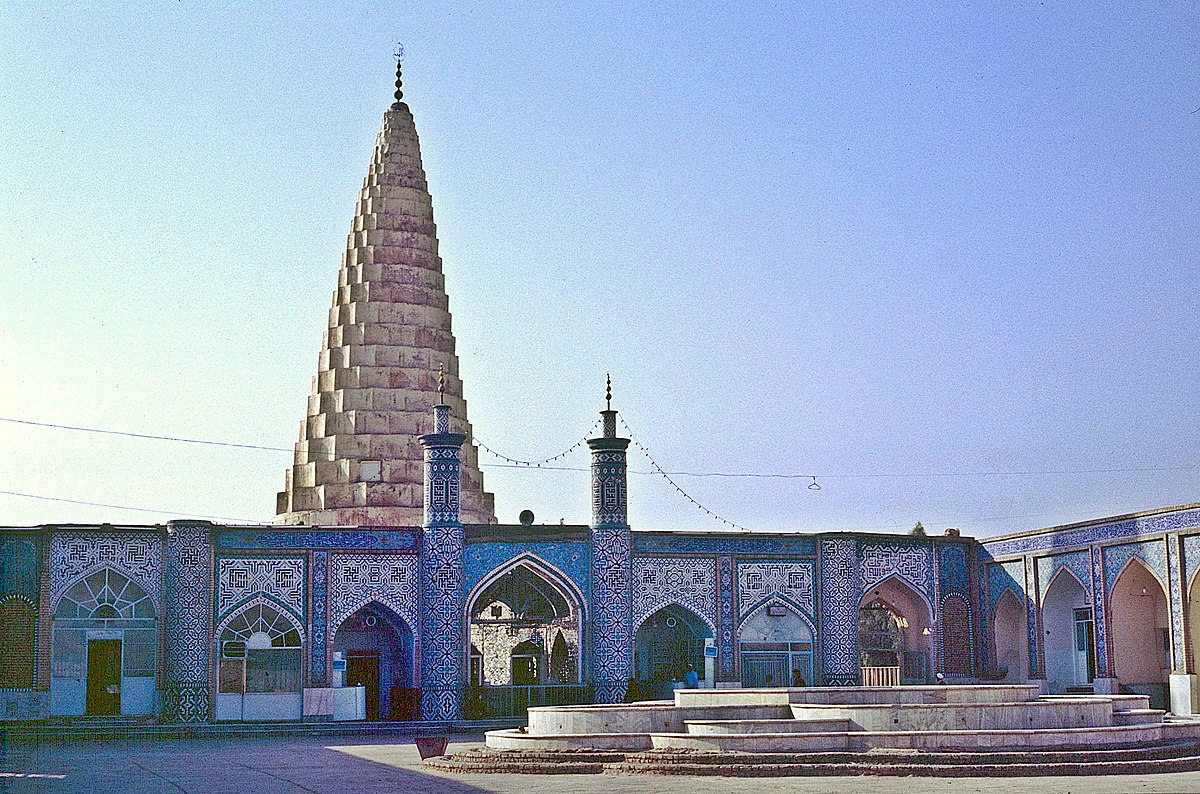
[442,544]
[612,619]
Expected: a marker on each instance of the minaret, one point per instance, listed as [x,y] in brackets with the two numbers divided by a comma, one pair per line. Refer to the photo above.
[442,550]
[358,461]
[612,618]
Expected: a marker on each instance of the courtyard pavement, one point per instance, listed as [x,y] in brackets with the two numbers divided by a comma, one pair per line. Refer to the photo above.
[342,765]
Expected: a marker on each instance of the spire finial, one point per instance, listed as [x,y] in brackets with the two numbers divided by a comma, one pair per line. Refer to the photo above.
[608,390]
[442,383]
[399,53]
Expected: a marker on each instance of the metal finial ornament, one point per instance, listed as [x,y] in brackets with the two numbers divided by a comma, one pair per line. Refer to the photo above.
[399,53]
[442,383]
[608,390]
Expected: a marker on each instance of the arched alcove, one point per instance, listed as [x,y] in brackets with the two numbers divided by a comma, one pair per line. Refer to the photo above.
[1010,633]
[104,647]
[775,647]
[895,633]
[377,647]
[522,606]
[1069,642]
[667,644]
[260,664]
[1139,631]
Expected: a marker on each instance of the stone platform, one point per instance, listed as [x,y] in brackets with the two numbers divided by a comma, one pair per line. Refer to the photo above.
[851,730]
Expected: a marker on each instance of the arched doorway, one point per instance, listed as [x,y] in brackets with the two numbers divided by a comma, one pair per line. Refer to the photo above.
[1069,640]
[667,644]
[377,647]
[524,641]
[775,647]
[894,636]
[104,648]
[260,666]
[1139,628]
[1011,636]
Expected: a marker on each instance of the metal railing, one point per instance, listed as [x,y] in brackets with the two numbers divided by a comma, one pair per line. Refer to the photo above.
[488,702]
[880,676]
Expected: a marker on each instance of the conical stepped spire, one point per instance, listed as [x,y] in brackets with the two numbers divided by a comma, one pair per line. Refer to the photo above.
[358,460]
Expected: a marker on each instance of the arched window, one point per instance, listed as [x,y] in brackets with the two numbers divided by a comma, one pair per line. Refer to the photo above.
[260,651]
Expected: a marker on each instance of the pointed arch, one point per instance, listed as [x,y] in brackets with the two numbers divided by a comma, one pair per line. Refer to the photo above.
[1145,566]
[767,602]
[895,580]
[542,569]
[544,601]
[1010,635]
[1063,612]
[691,610]
[1061,570]
[1140,630]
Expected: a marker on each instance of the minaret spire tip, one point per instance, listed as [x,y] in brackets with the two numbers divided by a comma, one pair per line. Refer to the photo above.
[442,384]
[399,54]
[608,390]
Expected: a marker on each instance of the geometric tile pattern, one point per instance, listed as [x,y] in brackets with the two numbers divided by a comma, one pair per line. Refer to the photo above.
[443,635]
[320,617]
[279,578]
[398,538]
[952,569]
[609,500]
[393,580]
[442,632]
[722,543]
[612,632]
[759,580]
[1178,636]
[1099,615]
[909,562]
[1003,576]
[442,465]
[725,562]
[1153,553]
[688,582]
[187,582]
[137,555]
[1077,562]
[841,591]
[1097,533]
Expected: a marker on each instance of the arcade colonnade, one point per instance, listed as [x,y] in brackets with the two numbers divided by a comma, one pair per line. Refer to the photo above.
[196,621]
[1108,606]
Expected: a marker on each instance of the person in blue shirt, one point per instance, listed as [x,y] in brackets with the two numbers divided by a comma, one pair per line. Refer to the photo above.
[691,678]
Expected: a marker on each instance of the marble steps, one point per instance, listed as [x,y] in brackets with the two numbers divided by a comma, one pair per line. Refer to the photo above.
[1154,758]
[1138,716]
[921,740]
[834,725]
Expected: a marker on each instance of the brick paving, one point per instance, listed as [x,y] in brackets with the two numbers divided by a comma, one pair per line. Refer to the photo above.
[391,764]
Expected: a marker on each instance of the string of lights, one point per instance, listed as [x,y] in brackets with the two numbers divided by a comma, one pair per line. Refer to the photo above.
[659,469]
[537,463]
[514,462]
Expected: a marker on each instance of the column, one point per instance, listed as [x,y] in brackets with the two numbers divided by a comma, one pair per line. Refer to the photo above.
[442,634]
[841,592]
[187,593]
[612,564]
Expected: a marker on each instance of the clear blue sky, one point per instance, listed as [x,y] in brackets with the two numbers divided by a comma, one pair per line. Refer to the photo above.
[824,239]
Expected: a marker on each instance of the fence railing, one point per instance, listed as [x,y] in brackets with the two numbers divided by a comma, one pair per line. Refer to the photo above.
[485,702]
[880,676]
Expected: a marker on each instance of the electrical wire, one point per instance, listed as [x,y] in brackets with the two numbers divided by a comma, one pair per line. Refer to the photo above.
[126,507]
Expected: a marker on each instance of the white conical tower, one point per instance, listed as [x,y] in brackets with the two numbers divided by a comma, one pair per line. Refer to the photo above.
[358,461]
